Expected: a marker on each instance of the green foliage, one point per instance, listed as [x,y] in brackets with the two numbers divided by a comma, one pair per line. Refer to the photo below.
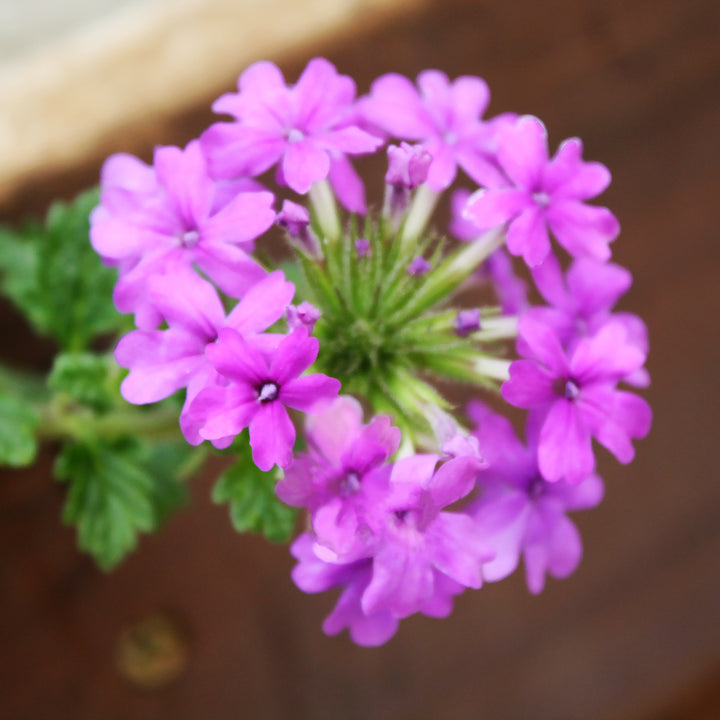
[251,494]
[116,492]
[55,277]
[18,420]
[89,379]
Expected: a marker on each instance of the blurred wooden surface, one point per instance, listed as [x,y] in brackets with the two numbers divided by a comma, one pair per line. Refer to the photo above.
[635,633]
[91,80]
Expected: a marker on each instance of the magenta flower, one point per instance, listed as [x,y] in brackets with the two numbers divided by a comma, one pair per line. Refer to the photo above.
[308,128]
[164,361]
[332,480]
[577,397]
[580,303]
[416,541]
[175,223]
[313,575]
[545,194]
[444,116]
[262,385]
[521,514]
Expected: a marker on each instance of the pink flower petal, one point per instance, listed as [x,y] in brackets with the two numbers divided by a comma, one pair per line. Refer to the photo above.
[522,151]
[304,164]
[263,304]
[184,175]
[272,436]
[347,184]
[567,176]
[395,106]
[583,230]
[528,236]
[309,393]
[241,220]
[237,359]
[489,208]
[295,353]
[565,447]
[529,385]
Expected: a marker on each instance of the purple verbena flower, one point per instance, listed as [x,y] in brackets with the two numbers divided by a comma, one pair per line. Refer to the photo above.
[331,479]
[576,394]
[175,223]
[162,362]
[544,194]
[518,512]
[416,540]
[580,303]
[444,116]
[312,575]
[262,385]
[307,128]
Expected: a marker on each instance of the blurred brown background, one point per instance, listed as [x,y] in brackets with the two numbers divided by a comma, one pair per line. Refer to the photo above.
[633,635]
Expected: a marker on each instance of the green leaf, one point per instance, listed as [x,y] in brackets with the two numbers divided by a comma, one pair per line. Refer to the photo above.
[89,379]
[253,504]
[109,500]
[55,277]
[168,463]
[118,491]
[18,446]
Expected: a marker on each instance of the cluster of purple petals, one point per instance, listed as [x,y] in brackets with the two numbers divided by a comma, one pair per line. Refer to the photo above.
[518,512]
[182,232]
[380,531]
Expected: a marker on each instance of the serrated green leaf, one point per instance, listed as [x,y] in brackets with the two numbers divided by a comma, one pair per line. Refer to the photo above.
[118,491]
[109,500]
[18,445]
[87,378]
[167,463]
[55,277]
[254,507]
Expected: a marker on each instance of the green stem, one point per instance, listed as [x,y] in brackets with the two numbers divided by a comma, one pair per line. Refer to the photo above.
[63,420]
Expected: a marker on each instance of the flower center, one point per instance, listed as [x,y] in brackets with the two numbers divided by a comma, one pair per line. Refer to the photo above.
[350,484]
[295,136]
[536,488]
[566,387]
[190,238]
[408,518]
[571,389]
[541,198]
[268,392]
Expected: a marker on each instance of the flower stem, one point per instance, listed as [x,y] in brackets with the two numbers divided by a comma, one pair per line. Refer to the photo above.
[323,201]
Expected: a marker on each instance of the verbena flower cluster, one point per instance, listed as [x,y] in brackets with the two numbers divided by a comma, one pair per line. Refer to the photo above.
[424,499]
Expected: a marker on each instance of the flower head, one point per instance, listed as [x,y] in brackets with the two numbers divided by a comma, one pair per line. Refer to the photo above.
[542,194]
[304,127]
[262,385]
